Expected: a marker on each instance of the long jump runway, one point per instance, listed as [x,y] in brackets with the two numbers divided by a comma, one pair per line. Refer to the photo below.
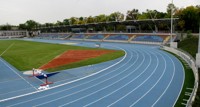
[145,77]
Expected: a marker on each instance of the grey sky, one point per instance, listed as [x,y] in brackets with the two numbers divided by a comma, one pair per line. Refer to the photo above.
[42,11]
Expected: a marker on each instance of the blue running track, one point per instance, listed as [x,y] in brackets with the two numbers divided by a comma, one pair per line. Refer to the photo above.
[145,77]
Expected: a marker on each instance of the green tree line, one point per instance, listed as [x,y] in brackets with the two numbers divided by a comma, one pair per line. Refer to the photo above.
[188,18]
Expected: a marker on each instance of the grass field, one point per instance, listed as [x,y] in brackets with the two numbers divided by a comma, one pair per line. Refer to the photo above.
[190,45]
[25,55]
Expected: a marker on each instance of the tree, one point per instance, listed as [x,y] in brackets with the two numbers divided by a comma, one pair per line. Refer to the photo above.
[31,24]
[116,16]
[161,15]
[22,26]
[73,21]
[132,14]
[59,23]
[90,19]
[149,14]
[100,18]
[82,20]
[66,22]
[144,15]
[189,18]
[6,27]
[48,24]
[171,7]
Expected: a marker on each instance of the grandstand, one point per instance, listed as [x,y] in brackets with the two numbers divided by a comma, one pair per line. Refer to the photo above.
[118,37]
[12,34]
[53,36]
[141,38]
[95,37]
[136,32]
[78,37]
[149,38]
[152,38]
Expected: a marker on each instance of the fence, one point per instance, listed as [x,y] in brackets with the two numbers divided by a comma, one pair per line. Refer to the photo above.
[191,62]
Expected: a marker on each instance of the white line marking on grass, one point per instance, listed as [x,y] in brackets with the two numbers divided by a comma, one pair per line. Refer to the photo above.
[169,82]
[7,49]
[53,59]
[67,82]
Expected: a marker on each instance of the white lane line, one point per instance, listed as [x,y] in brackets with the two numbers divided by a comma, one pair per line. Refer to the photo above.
[183,71]
[17,74]
[169,82]
[153,85]
[16,91]
[7,49]
[133,89]
[11,85]
[67,79]
[69,83]
[112,83]
[87,87]
[122,86]
[71,78]
[10,80]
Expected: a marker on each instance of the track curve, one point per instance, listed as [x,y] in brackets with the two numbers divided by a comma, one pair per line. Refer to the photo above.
[147,76]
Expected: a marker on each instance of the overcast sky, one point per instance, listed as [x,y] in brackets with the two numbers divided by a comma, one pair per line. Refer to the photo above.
[19,11]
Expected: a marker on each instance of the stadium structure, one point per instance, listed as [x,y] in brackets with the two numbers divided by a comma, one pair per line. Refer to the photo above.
[132,34]
[163,85]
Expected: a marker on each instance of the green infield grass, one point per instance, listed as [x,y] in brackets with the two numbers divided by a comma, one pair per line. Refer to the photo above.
[25,55]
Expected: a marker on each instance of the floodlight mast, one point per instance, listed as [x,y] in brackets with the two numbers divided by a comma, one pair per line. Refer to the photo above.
[171,22]
[199,36]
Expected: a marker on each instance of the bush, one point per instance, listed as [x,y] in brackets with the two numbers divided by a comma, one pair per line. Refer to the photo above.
[190,45]
[189,34]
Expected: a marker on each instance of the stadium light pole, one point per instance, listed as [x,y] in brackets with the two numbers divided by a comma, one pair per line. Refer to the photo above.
[199,37]
[171,23]
[198,53]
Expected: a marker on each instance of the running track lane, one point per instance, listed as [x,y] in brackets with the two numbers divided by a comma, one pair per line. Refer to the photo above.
[146,77]
[12,82]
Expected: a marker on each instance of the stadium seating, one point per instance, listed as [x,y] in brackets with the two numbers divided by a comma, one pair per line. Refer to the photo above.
[64,36]
[81,36]
[98,37]
[52,36]
[148,38]
[117,37]
[145,38]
